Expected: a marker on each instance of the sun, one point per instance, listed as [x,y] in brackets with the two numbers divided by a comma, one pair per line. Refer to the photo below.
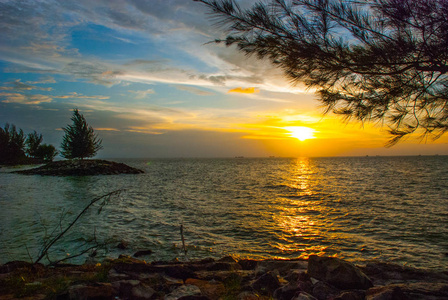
[301,133]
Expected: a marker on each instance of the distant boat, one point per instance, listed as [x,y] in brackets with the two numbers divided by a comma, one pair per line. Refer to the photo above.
[239,156]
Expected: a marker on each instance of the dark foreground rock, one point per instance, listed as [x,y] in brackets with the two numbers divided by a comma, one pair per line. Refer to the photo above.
[129,278]
[81,168]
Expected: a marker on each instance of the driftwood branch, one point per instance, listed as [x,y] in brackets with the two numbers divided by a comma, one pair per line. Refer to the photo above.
[44,252]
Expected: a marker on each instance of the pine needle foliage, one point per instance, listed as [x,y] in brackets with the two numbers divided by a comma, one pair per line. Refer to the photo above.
[79,140]
[384,61]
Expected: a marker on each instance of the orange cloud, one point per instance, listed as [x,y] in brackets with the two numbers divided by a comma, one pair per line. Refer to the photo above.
[249,90]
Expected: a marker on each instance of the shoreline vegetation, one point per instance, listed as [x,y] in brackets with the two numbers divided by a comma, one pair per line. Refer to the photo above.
[81,167]
[226,278]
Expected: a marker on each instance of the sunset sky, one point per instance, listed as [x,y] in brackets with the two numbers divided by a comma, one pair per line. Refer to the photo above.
[145,77]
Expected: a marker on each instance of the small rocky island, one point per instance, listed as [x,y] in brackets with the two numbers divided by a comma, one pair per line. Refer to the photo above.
[82,167]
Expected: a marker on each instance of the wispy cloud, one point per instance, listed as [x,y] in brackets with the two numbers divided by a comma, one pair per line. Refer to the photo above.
[43,80]
[20,86]
[24,99]
[142,94]
[194,90]
[75,95]
[106,129]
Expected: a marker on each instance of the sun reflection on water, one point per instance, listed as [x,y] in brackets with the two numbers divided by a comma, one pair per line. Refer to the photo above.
[301,173]
[298,221]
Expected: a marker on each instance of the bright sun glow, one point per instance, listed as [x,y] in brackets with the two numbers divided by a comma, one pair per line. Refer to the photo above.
[301,133]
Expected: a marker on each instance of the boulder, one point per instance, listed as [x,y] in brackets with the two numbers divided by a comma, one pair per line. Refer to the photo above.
[386,293]
[223,266]
[304,296]
[266,284]
[123,245]
[246,295]
[211,289]
[338,272]
[91,291]
[323,291]
[282,266]
[183,291]
[248,264]
[351,295]
[287,292]
[142,292]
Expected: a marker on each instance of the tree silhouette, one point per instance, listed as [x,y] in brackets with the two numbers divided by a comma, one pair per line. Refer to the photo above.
[33,142]
[379,60]
[79,140]
[12,144]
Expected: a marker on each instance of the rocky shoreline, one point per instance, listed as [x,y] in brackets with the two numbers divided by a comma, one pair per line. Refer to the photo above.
[316,278]
[81,168]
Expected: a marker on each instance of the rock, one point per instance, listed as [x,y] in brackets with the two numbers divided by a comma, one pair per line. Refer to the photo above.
[88,292]
[223,266]
[246,295]
[211,289]
[133,289]
[266,284]
[287,292]
[338,272]
[323,291]
[123,245]
[17,264]
[248,264]
[183,291]
[227,259]
[180,272]
[142,292]
[142,253]
[386,273]
[351,295]
[386,293]
[83,167]
[282,266]
[304,296]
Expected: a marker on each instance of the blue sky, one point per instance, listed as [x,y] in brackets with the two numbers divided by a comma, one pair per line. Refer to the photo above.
[146,78]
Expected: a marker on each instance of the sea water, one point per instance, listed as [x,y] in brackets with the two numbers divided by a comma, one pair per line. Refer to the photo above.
[392,209]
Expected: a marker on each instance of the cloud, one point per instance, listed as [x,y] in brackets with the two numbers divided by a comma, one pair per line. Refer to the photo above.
[142,94]
[75,95]
[106,129]
[44,80]
[20,86]
[50,50]
[24,99]
[249,90]
[194,90]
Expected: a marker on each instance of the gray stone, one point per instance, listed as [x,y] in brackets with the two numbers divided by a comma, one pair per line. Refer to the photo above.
[351,295]
[304,296]
[386,293]
[287,292]
[337,272]
[182,291]
[266,284]
[142,292]
[323,291]
[282,266]
[95,291]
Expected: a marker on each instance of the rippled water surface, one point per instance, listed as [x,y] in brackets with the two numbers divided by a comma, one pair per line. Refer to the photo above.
[388,208]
